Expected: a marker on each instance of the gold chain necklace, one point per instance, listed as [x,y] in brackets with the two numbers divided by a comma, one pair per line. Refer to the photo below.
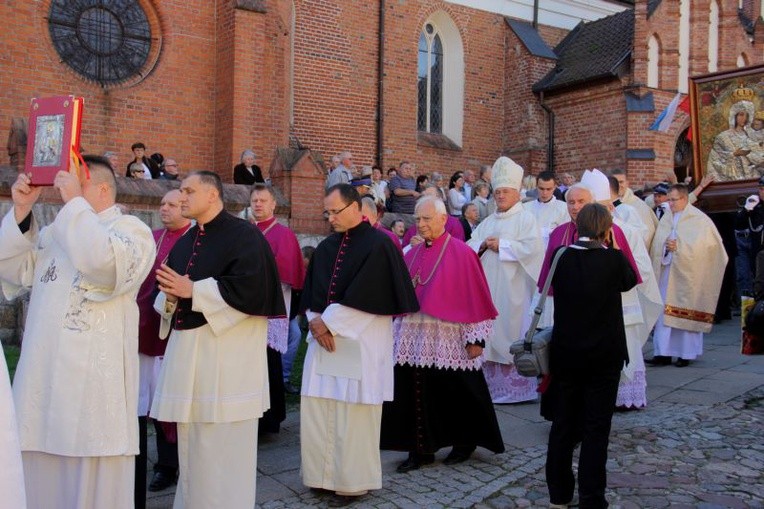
[417,279]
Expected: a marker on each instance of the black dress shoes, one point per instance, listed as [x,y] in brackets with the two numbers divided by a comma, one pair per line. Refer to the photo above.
[458,455]
[681,363]
[162,481]
[658,360]
[414,462]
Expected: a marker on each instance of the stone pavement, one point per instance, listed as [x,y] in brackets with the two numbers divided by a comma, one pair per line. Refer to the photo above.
[698,444]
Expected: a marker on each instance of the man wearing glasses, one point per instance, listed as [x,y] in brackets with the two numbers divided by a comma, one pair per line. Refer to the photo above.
[689,260]
[356,282]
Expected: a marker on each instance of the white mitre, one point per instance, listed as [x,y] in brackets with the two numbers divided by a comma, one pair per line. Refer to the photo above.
[597,183]
[506,173]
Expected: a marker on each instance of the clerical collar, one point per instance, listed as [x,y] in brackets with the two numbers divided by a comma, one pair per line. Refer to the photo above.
[548,201]
[587,243]
[215,221]
[358,228]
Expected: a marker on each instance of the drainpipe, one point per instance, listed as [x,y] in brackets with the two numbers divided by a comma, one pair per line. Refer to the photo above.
[380,83]
[550,134]
[535,14]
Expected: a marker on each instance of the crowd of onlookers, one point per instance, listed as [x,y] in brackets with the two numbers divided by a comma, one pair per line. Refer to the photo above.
[466,193]
[158,167]
[147,167]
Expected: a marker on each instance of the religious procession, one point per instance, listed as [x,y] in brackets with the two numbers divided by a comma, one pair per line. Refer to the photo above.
[408,343]
[541,285]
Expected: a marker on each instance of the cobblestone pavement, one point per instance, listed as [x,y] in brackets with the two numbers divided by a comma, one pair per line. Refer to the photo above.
[699,444]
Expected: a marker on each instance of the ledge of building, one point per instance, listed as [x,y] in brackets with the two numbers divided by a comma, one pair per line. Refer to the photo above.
[635,103]
[251,5]
[147,194]
[439,141]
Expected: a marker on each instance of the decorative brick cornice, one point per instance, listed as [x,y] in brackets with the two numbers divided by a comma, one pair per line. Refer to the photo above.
[251,5]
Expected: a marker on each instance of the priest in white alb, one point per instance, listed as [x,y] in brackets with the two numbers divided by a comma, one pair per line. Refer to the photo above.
[76,385]
[628,214]
[689,258]
[627,196]
[641,305]
[511,251]
[548,210]
[549,213]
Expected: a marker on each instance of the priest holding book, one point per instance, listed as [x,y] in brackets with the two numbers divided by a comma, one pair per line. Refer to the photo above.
[76,385]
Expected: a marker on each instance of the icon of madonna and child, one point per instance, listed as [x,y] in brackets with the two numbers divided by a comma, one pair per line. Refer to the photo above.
[737,153]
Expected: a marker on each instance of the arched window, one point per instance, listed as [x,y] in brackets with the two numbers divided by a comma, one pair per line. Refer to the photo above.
[653,61]
[742,60]
[430,82]
[440,78]
[713,37]
[684,46]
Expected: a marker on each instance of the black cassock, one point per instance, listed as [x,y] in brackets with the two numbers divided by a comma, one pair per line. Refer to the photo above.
[361,269]
[237,256]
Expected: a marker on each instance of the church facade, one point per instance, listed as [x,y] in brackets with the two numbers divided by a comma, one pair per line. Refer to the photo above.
[449,85]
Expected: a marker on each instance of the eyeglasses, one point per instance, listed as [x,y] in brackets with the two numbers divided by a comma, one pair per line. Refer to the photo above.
[328,213]
[166,165]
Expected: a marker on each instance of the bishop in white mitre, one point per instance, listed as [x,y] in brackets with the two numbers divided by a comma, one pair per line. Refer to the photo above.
[511,251]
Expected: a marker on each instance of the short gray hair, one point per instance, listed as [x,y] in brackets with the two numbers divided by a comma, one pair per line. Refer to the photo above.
[440,207]
[247,153]
[369,205]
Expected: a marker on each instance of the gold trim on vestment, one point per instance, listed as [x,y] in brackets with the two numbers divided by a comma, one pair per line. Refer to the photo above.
[689,314]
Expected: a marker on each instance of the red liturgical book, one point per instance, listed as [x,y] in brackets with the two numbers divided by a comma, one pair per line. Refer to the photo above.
[54,137]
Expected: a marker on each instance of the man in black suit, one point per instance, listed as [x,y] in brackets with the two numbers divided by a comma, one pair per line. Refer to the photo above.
[469,219]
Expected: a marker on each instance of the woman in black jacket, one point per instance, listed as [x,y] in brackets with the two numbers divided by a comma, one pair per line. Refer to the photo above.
[247,172]
[587,353]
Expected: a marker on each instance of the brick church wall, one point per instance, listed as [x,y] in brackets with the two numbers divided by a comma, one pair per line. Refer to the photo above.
[171,110]
[590,128]
[483,35]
